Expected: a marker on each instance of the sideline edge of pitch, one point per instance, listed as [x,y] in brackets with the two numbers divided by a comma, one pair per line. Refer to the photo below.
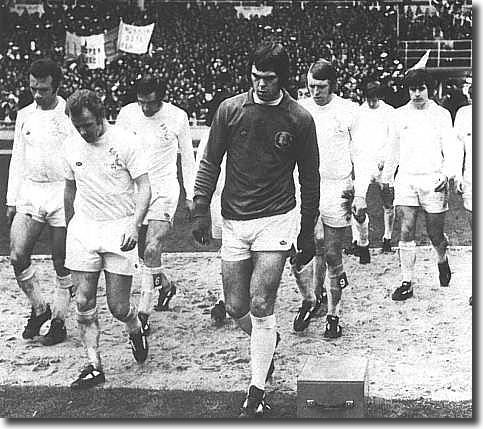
[170,255]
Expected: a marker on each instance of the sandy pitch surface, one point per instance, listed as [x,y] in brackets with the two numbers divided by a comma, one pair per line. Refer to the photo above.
[421,348]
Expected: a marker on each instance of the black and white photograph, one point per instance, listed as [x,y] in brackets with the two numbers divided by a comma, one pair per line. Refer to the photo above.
[223,210]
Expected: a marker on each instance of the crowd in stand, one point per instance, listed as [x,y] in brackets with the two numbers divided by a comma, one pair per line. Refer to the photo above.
[198,48]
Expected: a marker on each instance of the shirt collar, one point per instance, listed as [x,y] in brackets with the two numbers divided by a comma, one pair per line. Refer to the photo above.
[249,99]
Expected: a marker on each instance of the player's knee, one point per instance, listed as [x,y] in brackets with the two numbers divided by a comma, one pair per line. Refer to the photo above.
[84,303]
[152,251]
[119,310]
[150,254]
[320,246]
[334,258]
[437,238]
[260,307]
[19,260]
[407,233]
[236,310]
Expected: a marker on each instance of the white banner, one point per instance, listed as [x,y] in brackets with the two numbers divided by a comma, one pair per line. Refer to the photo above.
[73,45]
[93,50]
[134,39]
[110,45]
[31,7]
[249,11]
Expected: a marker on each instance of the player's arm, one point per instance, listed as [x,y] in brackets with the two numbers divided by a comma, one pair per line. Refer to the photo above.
[185,144]
[460,152]
[309,179]
[361,162]
[137,165]
[70,189]
[450,148]
[142,196]
[391,150]
[16,169]
[207,175]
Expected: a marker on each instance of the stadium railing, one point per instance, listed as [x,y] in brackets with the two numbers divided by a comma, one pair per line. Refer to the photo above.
[444,53]
[198,132]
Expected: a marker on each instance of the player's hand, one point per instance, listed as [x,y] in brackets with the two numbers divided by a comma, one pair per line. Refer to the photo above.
[387,191]
[129,239]
[348,197]
[10,214]
[441,184]
[201,223]
[359,209]
[306,249]
[458,185]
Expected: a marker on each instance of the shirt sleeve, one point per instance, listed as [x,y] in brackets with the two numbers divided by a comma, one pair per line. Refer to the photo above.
[122,118]
[185,144]
[449,146]
[309,177]
[460,140]
[135,158]
[209,170]
[16,169]
[361,160]
[68,172]
[391,149]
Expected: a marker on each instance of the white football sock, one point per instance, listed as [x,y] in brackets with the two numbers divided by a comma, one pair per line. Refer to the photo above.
[262,348]
[88,323]
[388,223]
[407,256]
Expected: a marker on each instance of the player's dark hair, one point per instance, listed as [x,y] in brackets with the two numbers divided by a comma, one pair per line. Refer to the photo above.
[372,89]
[45,67]
[85,99]
[418,77]
[272,56]
[322,70]
[149,84]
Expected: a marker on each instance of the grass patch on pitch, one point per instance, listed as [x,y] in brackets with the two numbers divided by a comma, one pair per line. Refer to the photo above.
[44,402]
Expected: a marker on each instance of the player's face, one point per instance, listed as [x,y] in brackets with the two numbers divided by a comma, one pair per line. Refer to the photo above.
[149,104]
[266,84]
[87,126]
[419,95]
[99,92]
[319,90]
[373,102]
[42,91]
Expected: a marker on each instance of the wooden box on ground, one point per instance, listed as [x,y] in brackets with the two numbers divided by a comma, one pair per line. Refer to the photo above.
[332,388]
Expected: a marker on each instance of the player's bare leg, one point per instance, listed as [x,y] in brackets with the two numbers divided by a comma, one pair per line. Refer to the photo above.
[360,234]
[64,289]
[265,280]
[387,195]
[88,322]
[337,279]
[118,294]
[435,228]
[24,233]
[407,251]
[152,274]
[236,277]
[310,282]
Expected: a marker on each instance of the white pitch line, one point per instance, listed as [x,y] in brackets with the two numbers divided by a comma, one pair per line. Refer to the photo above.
[173,255]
